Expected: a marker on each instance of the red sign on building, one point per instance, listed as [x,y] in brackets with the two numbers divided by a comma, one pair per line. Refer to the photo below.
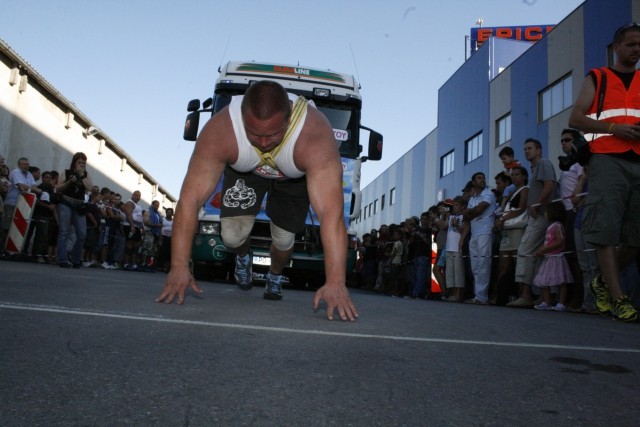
[527,33]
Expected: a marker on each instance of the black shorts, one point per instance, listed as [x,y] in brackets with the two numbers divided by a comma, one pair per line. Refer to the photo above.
[135,237]
[287,203]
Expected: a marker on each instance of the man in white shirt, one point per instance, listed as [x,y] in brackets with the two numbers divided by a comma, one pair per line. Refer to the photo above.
[479,219]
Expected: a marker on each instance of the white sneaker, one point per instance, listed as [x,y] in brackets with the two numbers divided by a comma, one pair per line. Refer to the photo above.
[87,264]
[559,307]
[105,265]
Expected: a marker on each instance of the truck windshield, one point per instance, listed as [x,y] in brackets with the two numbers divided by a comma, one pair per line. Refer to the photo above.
[345,129]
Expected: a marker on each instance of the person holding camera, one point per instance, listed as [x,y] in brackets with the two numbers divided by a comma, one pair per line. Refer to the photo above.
[72,210]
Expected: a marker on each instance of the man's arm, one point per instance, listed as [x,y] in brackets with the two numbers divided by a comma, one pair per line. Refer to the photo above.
[476,211]
[545,197]
[317,154]
[214,149]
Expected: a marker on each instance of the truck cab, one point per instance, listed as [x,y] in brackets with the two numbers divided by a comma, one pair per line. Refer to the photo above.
[337,96]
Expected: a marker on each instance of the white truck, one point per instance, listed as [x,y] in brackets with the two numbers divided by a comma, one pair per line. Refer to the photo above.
[338,97]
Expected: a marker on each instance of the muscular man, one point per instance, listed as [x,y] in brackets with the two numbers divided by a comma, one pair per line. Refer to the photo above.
[295,161]
[612,212]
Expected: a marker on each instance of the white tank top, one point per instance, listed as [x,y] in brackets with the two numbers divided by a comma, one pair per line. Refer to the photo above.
[136,215]
[248,159]
[167,227]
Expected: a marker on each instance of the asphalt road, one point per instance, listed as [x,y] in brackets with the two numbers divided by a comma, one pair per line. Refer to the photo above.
[90,347]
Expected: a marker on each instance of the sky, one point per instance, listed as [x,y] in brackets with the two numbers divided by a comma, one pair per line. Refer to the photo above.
[131,66]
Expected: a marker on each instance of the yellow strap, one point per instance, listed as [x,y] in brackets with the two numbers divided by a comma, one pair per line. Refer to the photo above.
[269,158]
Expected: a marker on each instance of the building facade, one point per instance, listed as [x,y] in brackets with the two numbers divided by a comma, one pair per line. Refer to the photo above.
[507,91]
[38,122]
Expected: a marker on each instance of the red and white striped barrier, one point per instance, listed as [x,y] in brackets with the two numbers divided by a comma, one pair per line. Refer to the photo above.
[435,287]
[20,223]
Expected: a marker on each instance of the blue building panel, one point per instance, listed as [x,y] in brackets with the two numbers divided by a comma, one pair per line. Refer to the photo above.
[464,109]
[528,78]
[603,29]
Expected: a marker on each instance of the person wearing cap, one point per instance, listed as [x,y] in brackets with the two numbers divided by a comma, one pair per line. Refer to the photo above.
[611,219]
[466,191]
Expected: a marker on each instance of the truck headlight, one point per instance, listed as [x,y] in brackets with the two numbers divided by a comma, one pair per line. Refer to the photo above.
[209,229]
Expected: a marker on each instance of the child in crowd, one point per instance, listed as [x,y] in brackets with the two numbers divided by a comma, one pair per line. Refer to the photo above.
[554,270]
[507,157]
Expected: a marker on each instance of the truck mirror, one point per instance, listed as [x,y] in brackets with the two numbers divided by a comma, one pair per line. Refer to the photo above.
[193,105]
[191,126]
[375,146]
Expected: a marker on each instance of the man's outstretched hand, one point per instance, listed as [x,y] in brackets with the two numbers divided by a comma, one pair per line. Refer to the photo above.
[336,298]
[178,281]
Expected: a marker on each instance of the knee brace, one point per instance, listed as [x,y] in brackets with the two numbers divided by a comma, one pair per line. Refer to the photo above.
[235,230]
[283,240]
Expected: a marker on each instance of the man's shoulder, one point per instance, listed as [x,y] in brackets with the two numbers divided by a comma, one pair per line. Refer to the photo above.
[316,141]
[218,137]
[545,165]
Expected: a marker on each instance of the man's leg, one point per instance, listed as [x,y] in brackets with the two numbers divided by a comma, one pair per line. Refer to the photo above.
[609,298]
[235,233]
[611,218]
[474,260]
[280,252]
[525,263]
[483,272]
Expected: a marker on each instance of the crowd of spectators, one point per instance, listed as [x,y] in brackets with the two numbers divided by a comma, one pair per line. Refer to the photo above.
[76,223]
[517,244]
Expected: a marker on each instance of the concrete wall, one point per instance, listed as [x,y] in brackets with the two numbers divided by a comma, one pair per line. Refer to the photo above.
[37,122]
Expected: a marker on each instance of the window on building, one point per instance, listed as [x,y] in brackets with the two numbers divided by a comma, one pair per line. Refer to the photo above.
[473,148]
[392,197]
[556,98]
[503,130]
[382,202]
[375,206]
[446,163]
[370,209]
[365,212]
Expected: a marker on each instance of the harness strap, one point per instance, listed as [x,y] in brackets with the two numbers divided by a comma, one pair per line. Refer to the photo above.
[299,109]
